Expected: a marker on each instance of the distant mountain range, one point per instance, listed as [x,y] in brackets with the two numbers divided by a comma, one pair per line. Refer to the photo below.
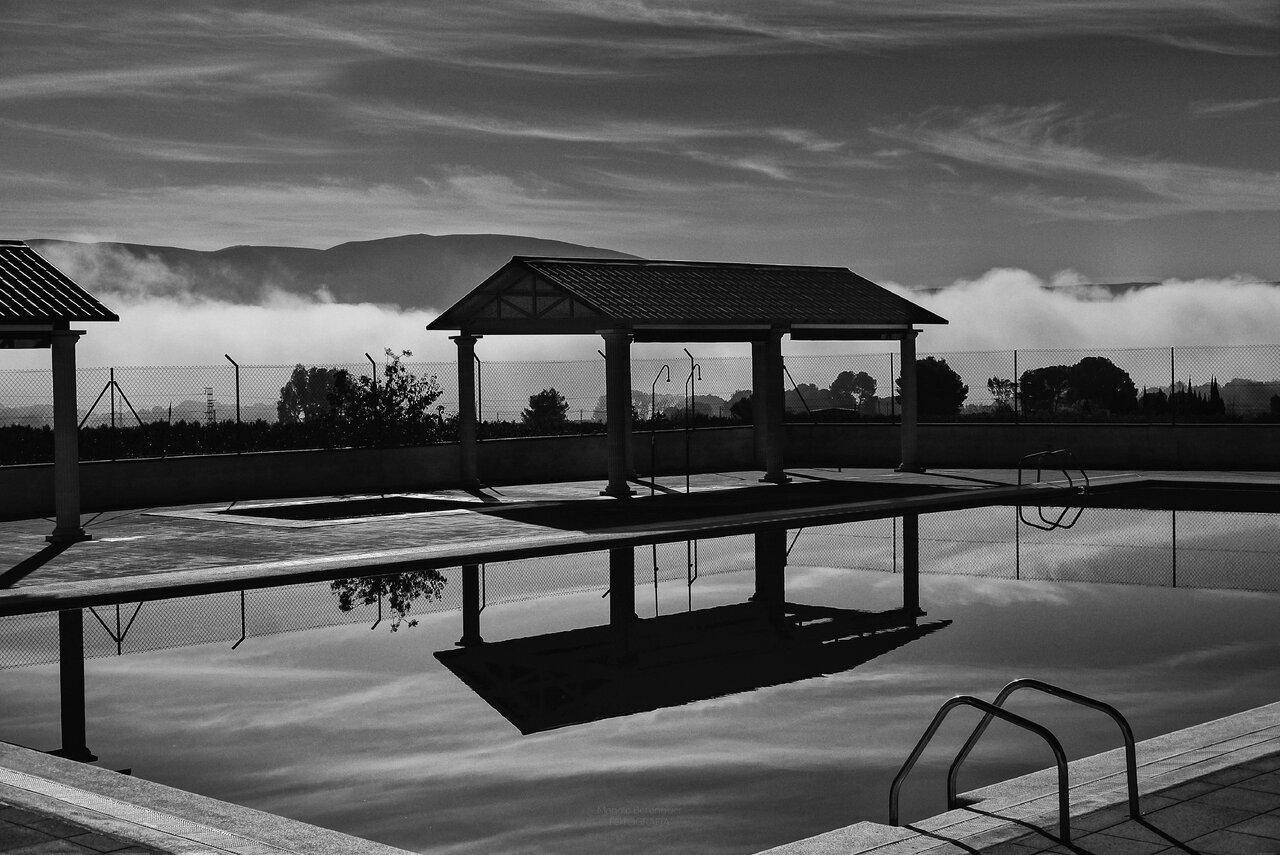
[410,271]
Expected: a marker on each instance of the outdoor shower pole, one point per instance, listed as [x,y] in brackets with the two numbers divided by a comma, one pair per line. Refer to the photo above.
[653,427]
[690,411]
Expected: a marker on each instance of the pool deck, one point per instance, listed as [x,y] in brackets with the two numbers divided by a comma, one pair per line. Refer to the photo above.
[155,553]
[1214,788]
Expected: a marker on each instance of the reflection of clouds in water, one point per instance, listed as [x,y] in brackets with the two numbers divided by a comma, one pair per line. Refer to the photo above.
[365,732]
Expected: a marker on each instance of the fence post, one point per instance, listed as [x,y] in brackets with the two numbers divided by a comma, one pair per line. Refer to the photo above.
[1016,383]
[238,430]
[1173,406]
[112,384]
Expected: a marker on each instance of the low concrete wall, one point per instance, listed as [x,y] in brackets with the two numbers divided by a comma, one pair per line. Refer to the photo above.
[999,446]
[27,491]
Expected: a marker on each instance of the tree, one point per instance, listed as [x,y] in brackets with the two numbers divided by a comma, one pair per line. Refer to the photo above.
[399,590]
[741,407]
[305,398]
[546,411]
[397,410]
[851,390]
[939,390]
[1096,382]
[1002,391]
[1042,389]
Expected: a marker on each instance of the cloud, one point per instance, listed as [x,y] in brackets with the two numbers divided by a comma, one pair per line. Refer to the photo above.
[1044,143]
[1217,108]
[1012,308]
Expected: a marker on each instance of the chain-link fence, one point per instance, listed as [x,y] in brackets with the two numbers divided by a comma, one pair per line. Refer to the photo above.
[158,410]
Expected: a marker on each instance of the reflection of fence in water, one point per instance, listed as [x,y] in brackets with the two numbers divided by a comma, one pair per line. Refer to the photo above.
[233,615]
[1186,549]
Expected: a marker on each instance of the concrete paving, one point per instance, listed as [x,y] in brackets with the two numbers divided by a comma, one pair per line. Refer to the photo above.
[167,552]
[1212,789]
[50,805]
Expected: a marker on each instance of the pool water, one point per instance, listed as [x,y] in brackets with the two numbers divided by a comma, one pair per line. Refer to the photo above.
[366,732]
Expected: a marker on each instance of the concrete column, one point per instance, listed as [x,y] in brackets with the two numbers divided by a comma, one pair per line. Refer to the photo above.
[911,565]
[471,606]
[617,378]
[774,410]
[71,686]
[468,455]
[66,444]
[758,374]
[909,435]
[771,567]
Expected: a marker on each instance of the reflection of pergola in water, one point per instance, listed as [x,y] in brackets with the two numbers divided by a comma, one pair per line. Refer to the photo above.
[680,301]
[37,305]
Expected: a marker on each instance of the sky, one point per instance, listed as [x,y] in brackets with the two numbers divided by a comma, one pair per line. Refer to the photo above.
[918,142]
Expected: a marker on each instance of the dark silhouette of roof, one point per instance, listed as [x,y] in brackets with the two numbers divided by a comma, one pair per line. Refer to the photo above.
[33,291]
[667,299]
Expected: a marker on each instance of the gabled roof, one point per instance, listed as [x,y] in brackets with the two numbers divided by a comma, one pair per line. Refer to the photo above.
[675,300]
[33,291]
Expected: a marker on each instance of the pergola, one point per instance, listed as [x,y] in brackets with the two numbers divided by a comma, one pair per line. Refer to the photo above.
[626,300]
[38,303]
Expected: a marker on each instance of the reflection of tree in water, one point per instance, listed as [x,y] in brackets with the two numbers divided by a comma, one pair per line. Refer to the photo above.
[398,590]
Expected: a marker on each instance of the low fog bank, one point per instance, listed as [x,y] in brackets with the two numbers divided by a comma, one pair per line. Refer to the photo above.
[166,321]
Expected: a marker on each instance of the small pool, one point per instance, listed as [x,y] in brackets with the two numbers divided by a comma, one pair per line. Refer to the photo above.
[358,728]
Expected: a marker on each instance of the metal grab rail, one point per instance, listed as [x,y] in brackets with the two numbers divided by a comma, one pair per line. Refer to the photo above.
[1045,523]
[1060,757]
[1130,751]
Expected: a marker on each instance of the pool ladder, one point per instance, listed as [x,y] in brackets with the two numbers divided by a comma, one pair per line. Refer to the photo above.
[996,710]
[1065,462]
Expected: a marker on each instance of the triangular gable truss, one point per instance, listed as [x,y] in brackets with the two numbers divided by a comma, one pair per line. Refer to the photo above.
[521,295]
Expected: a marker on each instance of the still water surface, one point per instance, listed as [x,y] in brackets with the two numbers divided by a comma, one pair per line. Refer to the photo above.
[364,731]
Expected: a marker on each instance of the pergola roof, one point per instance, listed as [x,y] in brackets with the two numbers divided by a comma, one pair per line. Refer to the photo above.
[681,300]
[33,291]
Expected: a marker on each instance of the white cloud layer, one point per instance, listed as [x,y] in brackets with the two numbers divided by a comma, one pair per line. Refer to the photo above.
[1002,309]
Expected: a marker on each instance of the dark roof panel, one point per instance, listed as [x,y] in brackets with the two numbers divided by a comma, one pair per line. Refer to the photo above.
[34,291]
[691,294]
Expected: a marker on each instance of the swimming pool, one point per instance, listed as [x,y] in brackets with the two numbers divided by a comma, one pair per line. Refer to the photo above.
[365,731]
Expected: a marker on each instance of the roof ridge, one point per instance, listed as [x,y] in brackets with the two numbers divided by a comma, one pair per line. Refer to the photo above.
[641,262]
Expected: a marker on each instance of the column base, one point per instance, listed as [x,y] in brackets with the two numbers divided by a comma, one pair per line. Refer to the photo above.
[775,479]
[622,492]
[68,535]
[80,755]
[468,641]
[902,467]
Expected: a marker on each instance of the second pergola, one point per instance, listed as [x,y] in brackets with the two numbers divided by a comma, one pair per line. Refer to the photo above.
[638,300]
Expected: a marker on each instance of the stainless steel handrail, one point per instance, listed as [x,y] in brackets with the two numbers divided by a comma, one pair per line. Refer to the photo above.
[1130,751]
[1045,523]
[991,710]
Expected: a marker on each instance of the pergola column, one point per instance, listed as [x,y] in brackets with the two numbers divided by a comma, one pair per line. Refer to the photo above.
[66,446]
[617,379]
[909,435]
[772,404]
[468,456]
